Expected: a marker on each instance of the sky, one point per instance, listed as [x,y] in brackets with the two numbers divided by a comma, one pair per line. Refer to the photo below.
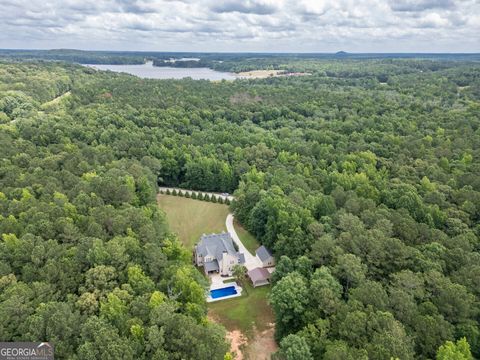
[239,26]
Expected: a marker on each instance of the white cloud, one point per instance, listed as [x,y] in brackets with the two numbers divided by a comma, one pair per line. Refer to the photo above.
[243,25]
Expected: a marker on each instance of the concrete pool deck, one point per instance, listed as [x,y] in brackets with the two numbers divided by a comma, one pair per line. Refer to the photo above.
[217,285]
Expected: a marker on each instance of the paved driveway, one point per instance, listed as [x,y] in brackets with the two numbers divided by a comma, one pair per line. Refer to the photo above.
[251,261]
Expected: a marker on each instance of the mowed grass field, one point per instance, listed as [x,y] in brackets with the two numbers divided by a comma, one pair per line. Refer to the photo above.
[246,312]
[191,218]
[252,315]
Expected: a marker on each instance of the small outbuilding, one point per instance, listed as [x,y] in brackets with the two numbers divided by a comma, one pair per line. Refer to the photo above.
[265,256]
[259,276]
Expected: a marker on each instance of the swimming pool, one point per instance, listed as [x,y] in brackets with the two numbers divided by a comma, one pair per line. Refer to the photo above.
[226,291]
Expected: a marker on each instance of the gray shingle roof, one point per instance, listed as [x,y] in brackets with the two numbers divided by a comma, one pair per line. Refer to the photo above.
[211,266]
[241,258]
[215,245]
[263,253]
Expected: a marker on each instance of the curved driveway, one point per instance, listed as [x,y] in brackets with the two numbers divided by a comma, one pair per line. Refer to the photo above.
[251,261]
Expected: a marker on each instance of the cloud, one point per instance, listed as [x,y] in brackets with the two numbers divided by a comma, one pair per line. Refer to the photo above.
[243,25]
[245,7]
[433,20]
[136,7]
[420,5]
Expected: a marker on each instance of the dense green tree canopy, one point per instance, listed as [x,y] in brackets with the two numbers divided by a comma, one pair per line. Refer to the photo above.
[363,179]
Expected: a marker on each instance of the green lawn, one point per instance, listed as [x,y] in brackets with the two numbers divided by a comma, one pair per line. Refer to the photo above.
[247,239]
[191,218]
[245,312]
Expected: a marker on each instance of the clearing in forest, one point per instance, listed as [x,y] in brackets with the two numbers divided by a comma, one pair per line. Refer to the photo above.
[263,74]
[191,218]
[249,320]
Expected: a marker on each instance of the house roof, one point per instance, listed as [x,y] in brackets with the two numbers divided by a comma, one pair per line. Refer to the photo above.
[263,253]
[215,245]
[241,258]
[258,274]
[211,266]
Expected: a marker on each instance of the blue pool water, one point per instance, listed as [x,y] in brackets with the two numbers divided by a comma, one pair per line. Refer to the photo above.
[227,291]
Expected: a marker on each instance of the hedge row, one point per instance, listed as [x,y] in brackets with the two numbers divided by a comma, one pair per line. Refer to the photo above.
[196,196]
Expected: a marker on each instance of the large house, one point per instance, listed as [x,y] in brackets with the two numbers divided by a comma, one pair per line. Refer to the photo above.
[217,254]
[265,256]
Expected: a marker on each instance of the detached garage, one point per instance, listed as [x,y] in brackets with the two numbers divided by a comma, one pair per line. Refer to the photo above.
[265,256]
[259,276]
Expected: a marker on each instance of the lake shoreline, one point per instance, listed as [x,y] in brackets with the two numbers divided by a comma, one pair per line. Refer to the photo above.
[148,71]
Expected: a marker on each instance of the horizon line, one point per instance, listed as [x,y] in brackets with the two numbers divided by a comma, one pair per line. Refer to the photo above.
[247,52]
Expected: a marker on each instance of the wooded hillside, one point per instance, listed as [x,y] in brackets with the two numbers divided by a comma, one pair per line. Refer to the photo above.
[363,178]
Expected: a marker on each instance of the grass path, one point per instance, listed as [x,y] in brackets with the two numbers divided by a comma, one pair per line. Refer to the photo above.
[46,105]
[56,100]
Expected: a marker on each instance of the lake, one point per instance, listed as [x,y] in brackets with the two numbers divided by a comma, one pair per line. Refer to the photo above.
[148,71]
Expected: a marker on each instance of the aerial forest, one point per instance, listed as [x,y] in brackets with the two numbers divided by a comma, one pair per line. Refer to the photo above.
[363,178]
